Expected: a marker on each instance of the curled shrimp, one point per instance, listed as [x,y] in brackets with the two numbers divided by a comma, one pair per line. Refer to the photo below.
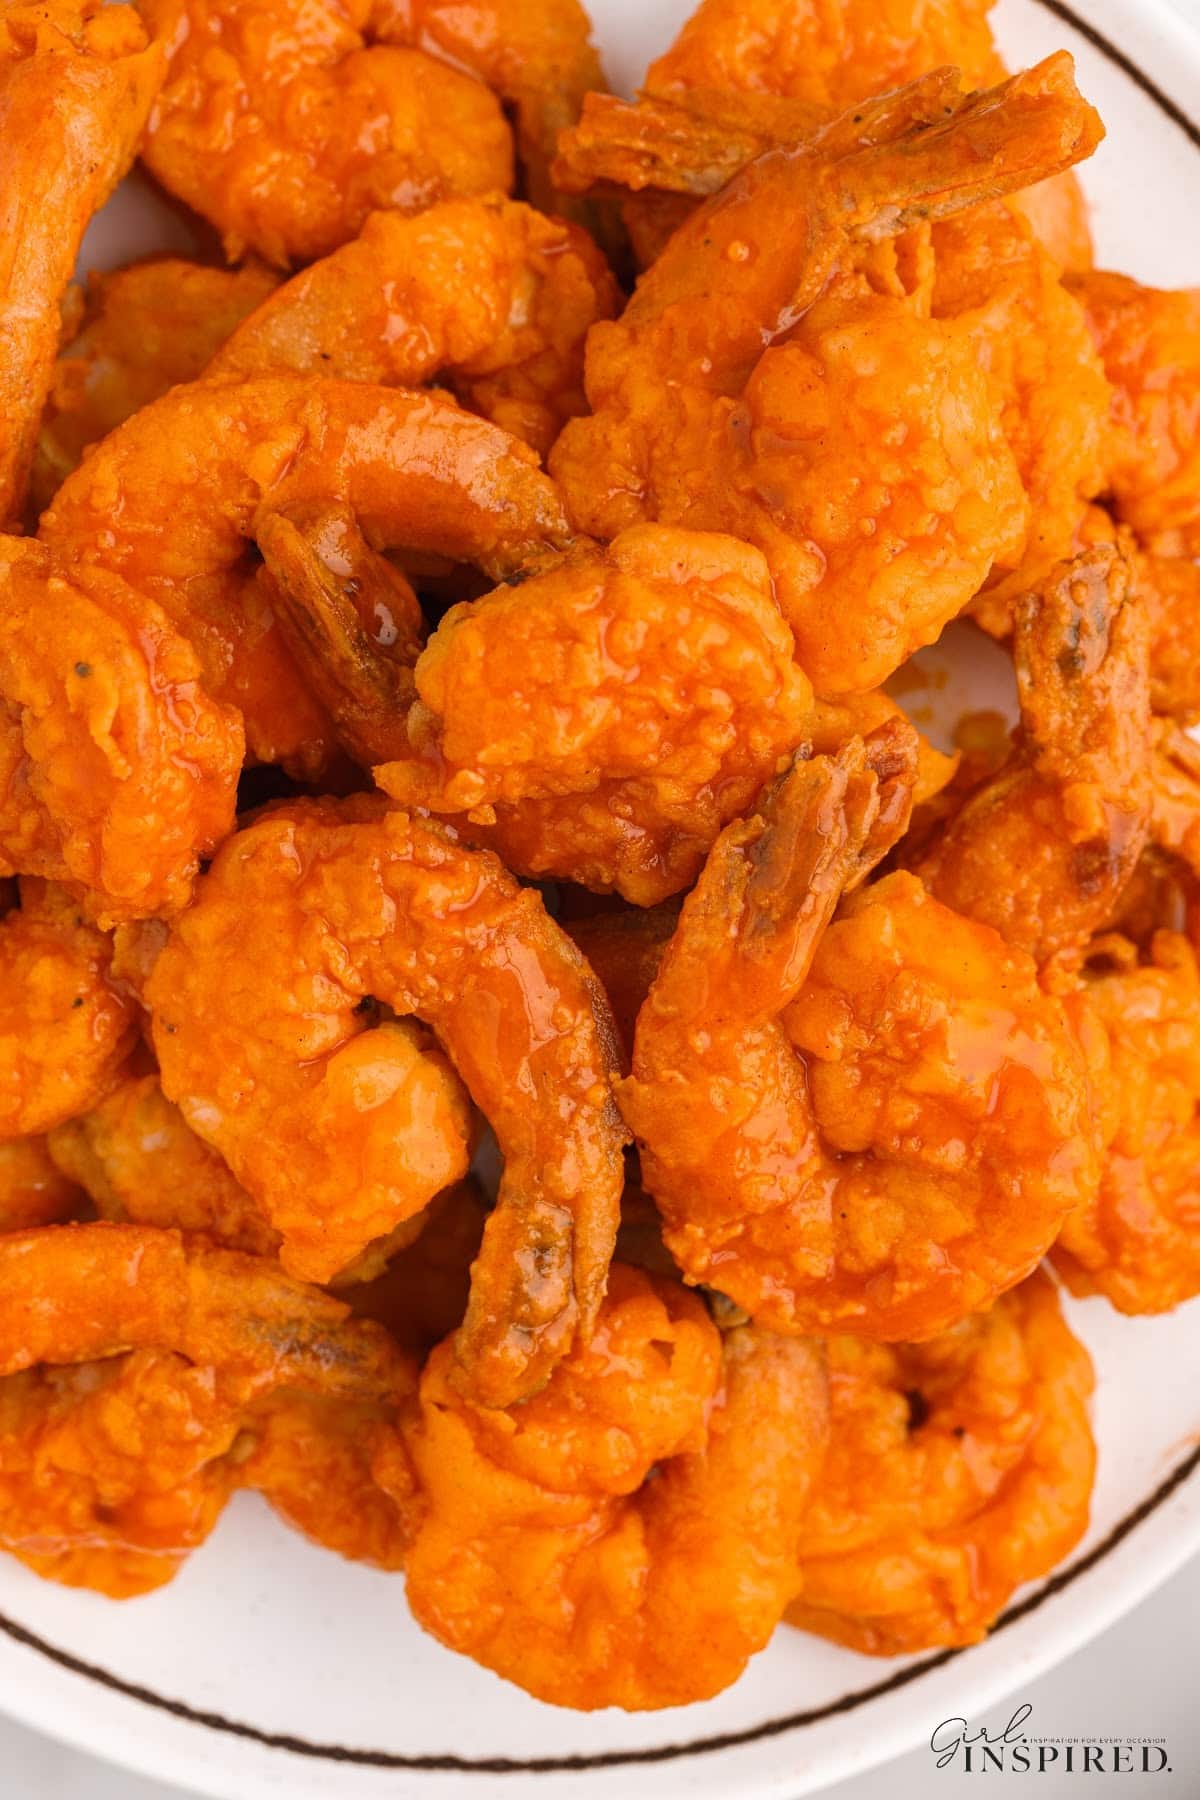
[957,1469]
[695,423]
[117,769]
[76,83]
[548,1554]
[1149,342]
[872,1125]
[210,457]
[65,1031]
[1043,849]
[286,128]
[33,1189]
[138,1160]
[1032,335]
[602,720]
[488,295]
[140,330]
[137,1366]
[305,917]
[1136,1240]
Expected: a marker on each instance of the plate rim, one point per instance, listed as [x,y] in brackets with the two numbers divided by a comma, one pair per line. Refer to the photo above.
[96,1731]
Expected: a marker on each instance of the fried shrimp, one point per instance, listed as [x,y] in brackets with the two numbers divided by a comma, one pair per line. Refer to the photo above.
[138,1160]
[76,83]
[1137,1239]
[1170,589]
[625,949]
[957,1470]
[117,770]
[209,458]
[994,276]
[1043,849]
[696,423]
[64,1029]
[262,1008]
[285,127]
[1149,342]
[134,1362]
[142,330]
[33,1190]
[488,296]
[873,1125]
[603,720]
[549,1554]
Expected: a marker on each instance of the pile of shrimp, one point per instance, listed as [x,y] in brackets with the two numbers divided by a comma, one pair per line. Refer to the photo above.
[513,1046]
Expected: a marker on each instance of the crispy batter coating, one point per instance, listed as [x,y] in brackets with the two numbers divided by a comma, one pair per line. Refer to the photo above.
[603,720]
[1149,341]
[262,1015]
[1170,589]
[33,1190]
[117,769]
[827,55]
[76,83]
[549,1555]
[65,1030]
[1137,1239]
[1043,849]
[207,458]
[138,1159]
[488,296]
[870,557]
[285,126]
[142,329]
[1032,336]
[957,1470]
[873,1125]
[118,1453]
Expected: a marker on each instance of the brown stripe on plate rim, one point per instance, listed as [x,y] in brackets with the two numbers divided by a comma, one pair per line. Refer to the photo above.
[729,1740]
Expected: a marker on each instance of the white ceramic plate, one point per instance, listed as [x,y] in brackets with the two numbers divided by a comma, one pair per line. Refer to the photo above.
[269,1669]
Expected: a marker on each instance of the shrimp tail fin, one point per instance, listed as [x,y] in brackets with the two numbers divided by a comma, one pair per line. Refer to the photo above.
[325,581]
[995,142]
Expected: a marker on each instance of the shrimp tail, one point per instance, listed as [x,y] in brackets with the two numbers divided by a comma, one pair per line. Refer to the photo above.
[351,620]
[995,142]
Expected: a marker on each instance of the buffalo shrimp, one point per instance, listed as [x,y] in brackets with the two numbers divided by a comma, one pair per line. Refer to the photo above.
[263,1001]
[627,1536]
[1043,849]
[957,1469]
[118,770]
[488,296]
[33,1189]
[139,1376]
[696,423]
[1136,1240]
[139,331]
[1149,342]
[208,458]
[76,83]
[285,128]
[601,721]
[872,1122]
[65,1030]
